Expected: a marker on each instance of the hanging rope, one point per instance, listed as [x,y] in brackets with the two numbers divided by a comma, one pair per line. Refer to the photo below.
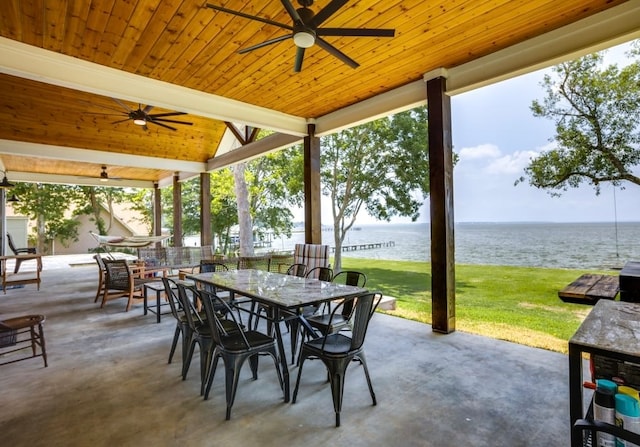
[615,219]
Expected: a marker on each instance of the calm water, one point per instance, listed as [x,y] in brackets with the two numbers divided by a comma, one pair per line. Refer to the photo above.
[562,245]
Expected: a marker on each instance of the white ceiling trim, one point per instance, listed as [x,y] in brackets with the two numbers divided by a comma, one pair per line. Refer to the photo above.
[38,150]
[37,64]
[252,150]
[37,177]
[394,101]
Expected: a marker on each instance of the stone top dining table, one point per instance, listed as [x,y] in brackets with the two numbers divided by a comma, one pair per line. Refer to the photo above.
[279,292]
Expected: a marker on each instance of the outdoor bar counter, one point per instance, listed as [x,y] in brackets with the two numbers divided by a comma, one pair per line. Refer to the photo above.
[611,330]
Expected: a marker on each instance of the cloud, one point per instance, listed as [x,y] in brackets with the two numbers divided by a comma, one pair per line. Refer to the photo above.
[511,163]
[479,152]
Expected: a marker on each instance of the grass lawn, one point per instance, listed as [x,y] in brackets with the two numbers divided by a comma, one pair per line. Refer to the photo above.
[518,304]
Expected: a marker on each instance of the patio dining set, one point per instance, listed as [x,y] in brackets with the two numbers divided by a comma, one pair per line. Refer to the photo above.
[242,310]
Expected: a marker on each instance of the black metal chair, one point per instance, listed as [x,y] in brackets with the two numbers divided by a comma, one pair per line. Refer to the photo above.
[199,332]
[182,326]
[234,348]
[297,270]
[342,321]
[19,251]
[323,274]
[338,350]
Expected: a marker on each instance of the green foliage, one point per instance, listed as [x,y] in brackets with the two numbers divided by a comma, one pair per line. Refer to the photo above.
[381,166]
[47,204]
[597,115]
[141,201]
[91,200]
[276,183]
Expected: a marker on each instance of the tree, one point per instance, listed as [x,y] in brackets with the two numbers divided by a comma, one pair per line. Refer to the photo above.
[47,205]
[597,114]
[275,184]
[381,166]
[91,200]
[244,215]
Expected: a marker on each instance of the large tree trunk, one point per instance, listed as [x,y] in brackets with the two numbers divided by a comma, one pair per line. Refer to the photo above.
[244,215]
[42,243]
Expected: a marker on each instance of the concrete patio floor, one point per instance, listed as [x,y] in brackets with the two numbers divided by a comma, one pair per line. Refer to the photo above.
[108,384]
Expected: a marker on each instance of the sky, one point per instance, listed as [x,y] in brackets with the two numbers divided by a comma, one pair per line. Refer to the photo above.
[495,134]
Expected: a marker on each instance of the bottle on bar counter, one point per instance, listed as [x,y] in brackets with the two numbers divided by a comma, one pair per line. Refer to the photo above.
[627,416]
[604,409]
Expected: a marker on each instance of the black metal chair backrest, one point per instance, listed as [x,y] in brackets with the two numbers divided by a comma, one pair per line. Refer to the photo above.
[186,294]
[207,266]
[297,270]
[211,303]
[350,278]
[364,307]
[321,273]
[118,276]
[171,289]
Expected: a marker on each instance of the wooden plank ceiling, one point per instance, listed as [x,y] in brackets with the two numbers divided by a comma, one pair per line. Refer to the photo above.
[183,42]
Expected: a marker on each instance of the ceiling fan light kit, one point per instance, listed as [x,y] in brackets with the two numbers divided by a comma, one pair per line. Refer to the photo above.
[104,177]
[304,39]
[306,31]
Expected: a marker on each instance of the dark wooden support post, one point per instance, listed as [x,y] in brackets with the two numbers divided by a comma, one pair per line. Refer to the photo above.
[177,212]
[157,212]
[206,238]
[443,282]
[312,209]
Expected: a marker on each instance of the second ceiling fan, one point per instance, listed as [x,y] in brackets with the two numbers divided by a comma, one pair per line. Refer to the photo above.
[306,30]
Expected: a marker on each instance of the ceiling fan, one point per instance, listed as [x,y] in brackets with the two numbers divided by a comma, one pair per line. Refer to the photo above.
[104,176]
[142,117]
[306,30]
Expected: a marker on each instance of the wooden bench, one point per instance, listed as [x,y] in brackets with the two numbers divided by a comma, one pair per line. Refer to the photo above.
[23,277]
[589,288]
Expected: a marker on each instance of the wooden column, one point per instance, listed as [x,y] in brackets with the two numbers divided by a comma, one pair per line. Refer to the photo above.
[3,222]
[157,213]
[177,212]
[312,208]
[206,237]
[441,203]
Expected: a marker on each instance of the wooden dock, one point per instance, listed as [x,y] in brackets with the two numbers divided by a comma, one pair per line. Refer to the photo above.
[370,246]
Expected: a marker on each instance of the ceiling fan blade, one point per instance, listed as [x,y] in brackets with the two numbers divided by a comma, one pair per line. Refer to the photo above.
[121,121]
[123,105]
[155,120]
[293,12]
[265,43]
[326,12]
[299,57]
[158,115]
[160,124]
[147,108]
[250,17]
[337,53]
[114,109]
[356,32]
[104,113]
